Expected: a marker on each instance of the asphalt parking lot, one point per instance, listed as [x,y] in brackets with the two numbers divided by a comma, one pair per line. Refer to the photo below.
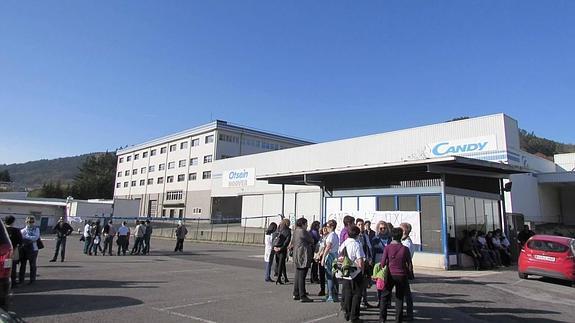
[223,283]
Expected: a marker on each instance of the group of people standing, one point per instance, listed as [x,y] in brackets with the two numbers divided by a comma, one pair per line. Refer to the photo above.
[322,250]
[94,235]
[26,243]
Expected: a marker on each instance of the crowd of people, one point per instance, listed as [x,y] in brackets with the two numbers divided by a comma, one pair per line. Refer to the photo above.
[488,251]
[347,259]
[26,243]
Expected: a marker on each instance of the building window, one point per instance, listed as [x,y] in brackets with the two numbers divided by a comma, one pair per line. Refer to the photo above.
[192,177]
[119,174]
[207,175]
[134,171]
[183,145]
[172,147]
[180,213]
[197,210]
[195,142]
[171,165]
[133,183]
[126,184]
[128,158]
[170,179]
[226,156]
[161,166]
[209,139]
[151,168]
[142,182]
[160,180]
[207,159]
[163,150]
[182,163]
[152,152]
[194,161]
[121,160]
[181,177]
[144,154]
[136,156]
[229,138]
[172,213]
[118,185]
[142,170]
[150,181]
[174,195]
[127,173]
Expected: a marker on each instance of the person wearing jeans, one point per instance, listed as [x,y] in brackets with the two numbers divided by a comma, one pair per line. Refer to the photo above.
[87,237]
[268,252]
[328,256]
[62,230]
[30,236]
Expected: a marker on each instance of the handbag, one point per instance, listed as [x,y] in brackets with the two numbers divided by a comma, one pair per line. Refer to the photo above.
[39,244]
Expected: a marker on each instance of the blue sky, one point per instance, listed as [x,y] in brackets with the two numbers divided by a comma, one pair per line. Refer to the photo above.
[83,76]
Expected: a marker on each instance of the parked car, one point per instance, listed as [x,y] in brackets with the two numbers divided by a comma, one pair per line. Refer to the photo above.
[5,266]
[548,256]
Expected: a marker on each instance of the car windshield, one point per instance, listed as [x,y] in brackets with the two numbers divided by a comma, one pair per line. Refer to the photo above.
[548,246]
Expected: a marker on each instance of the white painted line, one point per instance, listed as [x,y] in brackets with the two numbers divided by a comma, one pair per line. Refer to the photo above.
[187,316]
[211,270]
[184,305]
[322,318]
[256,256]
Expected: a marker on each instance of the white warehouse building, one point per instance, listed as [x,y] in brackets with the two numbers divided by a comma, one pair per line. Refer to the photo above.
[443,178]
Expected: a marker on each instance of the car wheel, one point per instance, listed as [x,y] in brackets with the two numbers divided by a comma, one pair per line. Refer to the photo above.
[523,275]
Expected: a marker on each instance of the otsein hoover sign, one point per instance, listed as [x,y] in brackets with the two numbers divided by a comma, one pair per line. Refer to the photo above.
[239,177]
[462,146]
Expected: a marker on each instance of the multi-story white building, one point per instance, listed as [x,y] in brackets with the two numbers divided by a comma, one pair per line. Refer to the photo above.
[172,175]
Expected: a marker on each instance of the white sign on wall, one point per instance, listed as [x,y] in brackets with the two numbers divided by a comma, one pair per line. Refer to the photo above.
[394,217]
[461,146]
[239,177]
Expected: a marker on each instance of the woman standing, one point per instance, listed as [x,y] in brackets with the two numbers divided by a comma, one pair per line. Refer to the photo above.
[328,256]
[302,256]
[281,243]
[314,231]
[317,259]
[16,239]
[268,252]
[398,259]
[30,236]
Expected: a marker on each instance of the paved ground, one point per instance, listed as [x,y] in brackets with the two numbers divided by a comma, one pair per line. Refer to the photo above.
[219,283]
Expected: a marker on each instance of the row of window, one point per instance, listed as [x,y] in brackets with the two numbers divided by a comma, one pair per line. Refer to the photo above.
[173,147]
[172,212]
[169,179]
[250,142]
[171,165]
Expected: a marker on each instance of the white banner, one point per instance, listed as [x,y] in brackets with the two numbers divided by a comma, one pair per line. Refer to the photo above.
[394,217]
[239,177]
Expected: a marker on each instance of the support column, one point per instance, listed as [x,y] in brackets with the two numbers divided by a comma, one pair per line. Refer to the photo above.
[283,200]
[444,229]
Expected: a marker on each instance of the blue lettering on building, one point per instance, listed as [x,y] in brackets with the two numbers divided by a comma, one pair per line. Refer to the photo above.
[238,175]
[444,148]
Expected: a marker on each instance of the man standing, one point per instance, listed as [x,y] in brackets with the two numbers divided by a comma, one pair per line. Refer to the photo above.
[369,231]
[109,233]
[348,221]
[365,243]
[147,237]
[181,233]
[139,237]
[122,241]
[406,241]
[87,237]
[62,230]
[524,235]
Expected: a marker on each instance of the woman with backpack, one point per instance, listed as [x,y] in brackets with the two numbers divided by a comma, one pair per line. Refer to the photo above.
[281,243]
[268,251]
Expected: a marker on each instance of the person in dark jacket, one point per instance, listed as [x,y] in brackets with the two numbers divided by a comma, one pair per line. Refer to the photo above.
[16,239]
[302,244]
[398,259]
[281,243]
[147,237]
[62,230]
[314,231]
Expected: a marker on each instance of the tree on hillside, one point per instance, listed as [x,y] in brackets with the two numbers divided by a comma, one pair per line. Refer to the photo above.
[5,176]
[95,180]
[96,177]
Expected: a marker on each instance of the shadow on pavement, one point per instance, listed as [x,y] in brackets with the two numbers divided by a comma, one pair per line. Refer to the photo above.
[47,285]
[45,305]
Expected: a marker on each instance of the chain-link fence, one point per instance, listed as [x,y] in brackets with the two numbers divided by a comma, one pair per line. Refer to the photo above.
[232,230]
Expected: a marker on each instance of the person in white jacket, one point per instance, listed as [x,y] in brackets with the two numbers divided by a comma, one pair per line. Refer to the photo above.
[268,251]
[30,236]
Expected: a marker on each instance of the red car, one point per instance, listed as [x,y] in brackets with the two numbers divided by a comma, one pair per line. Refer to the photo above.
[548,256]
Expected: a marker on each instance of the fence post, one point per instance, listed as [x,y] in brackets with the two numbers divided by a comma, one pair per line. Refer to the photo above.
[227,225]
[244,237]
[211,230]
[197,229]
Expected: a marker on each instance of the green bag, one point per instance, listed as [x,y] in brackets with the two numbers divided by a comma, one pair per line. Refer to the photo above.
[343,266]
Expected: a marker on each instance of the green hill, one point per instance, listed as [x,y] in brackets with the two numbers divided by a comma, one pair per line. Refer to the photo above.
[35,173]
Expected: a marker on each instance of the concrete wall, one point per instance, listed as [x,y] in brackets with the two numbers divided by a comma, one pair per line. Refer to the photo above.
[568,205]
[297,204]
[549,204]
[21,211]
[524,197]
